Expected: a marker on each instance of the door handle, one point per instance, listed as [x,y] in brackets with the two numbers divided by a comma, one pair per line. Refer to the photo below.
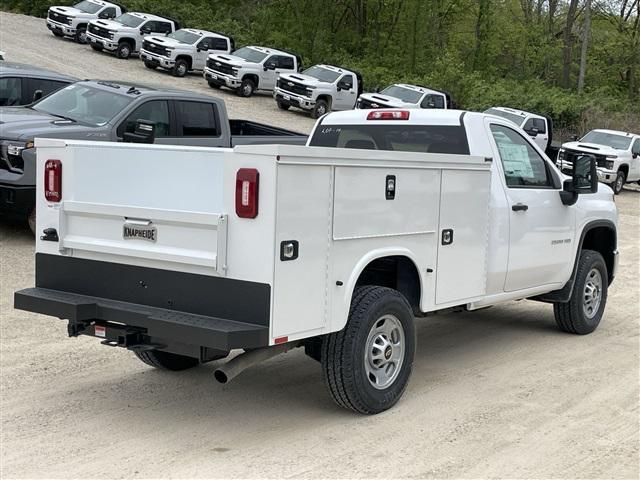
[519,207]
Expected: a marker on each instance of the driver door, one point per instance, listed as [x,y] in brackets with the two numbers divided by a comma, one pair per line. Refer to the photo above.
[156,111]
[345,99]
[541,228]
[202,53]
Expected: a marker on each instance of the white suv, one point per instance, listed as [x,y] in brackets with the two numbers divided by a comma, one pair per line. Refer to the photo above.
[124,34]
[617,155]
[402,95]
[250,69]
[319,89]
[183,51]
[73,21]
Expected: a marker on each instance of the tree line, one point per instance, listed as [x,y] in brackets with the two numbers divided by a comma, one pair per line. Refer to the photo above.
[575,60]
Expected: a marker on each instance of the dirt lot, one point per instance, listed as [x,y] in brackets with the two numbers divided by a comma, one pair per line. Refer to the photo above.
[498,393]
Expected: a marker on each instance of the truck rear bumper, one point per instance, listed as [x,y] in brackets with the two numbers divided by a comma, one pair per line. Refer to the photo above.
[151,326]
[162,306]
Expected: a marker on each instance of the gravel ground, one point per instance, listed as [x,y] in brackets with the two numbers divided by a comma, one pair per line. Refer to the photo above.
[498,393]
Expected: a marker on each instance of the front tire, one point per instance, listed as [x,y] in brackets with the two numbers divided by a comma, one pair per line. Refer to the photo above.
[247,87]
[621,179]
[57,34]
[180,68]
[283,106]
[97,48]
[321,107]
[166,360]
[582,313]
[214,85]
[150,65]
[31,220]
[123,51]
[81,35]
[367,365]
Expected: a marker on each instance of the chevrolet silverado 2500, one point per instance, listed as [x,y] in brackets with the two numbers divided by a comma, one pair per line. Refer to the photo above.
[72,21]
[181,254]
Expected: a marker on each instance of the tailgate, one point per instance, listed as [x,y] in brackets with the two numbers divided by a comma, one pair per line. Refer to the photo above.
[132,204]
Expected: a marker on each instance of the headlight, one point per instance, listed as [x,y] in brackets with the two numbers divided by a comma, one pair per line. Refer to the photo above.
[14,150]
[608,164]
[561,154]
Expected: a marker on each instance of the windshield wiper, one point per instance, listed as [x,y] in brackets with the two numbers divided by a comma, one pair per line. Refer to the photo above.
[63,117]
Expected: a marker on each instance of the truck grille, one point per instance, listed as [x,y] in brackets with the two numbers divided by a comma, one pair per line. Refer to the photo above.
[59,17]
[221,67]
[154,48]
[570,155]
[293,87]
[366,104]
[99,31]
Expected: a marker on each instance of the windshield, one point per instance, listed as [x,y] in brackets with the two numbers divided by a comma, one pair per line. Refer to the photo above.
[129,20]
[83,104]
[87,7]
[619,142]
[185,37]
[250,55]
[322,74]
[404,94]
[407,138]
[512,117]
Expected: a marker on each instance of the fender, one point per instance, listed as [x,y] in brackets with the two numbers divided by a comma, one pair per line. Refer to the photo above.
[564,294]
[359,267]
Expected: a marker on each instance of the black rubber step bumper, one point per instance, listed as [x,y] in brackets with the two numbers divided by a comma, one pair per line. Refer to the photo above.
[84,311]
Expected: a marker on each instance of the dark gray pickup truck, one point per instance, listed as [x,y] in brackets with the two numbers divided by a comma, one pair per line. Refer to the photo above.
[112,111]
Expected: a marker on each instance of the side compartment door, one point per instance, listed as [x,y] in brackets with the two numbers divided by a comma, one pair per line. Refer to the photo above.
[541,228]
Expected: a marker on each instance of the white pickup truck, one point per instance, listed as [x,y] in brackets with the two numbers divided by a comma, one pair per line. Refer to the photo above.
[387,215]
[617,155]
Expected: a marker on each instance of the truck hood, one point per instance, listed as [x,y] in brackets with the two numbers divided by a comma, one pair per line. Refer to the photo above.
[72,12]
[233,60]
[383,100]
[593,148]
[110,25]
[303,79]
[21,123]
[165,41]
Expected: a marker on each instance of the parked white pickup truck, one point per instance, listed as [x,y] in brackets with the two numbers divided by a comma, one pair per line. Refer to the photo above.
[388,215]
[72,21]
[402,95]
[617,155]
[538,127]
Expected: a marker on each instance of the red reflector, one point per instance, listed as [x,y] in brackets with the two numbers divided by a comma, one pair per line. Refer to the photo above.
[280,340]
[247,183]
[53,180]
[388,115]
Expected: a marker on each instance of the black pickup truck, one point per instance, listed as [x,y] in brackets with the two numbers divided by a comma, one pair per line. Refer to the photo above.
[112,111]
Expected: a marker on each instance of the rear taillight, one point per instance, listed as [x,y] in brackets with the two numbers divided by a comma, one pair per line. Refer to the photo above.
[53,180]
[388,115]
[247,183]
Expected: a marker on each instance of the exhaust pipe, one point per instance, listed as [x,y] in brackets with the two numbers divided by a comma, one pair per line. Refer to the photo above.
[238,364]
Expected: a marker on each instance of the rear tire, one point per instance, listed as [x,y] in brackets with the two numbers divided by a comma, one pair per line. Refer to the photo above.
[321,107]
[180,68]
[621,179]
[97,48]
[81,35]
[150,65]
[247,87]
[167,361]
[582,313]
[123,51]
[367,365]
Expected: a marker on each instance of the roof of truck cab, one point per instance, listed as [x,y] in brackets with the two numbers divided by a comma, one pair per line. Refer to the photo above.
[521,113]
[124,88]
[150,16]
[204,32]
[419,88]
[25,70]
[269,50]
[428,116]
[616,132]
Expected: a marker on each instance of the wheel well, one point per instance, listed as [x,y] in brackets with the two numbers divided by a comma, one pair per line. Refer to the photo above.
[397,272]
[130,41]
[252,77]
[186,58]
[624,168]
[326,98]
[603,240]
[81,25]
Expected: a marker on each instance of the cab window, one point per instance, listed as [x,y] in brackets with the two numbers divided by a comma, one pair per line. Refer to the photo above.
[109,12]
[218,43]
[523,166]
[432,101]
[537,123]
[284,62]
[206,44]
[636,147]
[347,80]
[197,119]
[10,91]
[156,111]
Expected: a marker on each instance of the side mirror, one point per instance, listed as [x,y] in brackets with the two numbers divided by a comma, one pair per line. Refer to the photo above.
[145,132]
[269,66]
[532,132]
[37,95]
[635,154]
[343,86]
[574,138]
[583,180]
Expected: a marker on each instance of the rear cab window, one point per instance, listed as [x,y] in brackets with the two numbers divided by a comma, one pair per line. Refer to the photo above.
[10,91]
[408,138]
[197,119]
